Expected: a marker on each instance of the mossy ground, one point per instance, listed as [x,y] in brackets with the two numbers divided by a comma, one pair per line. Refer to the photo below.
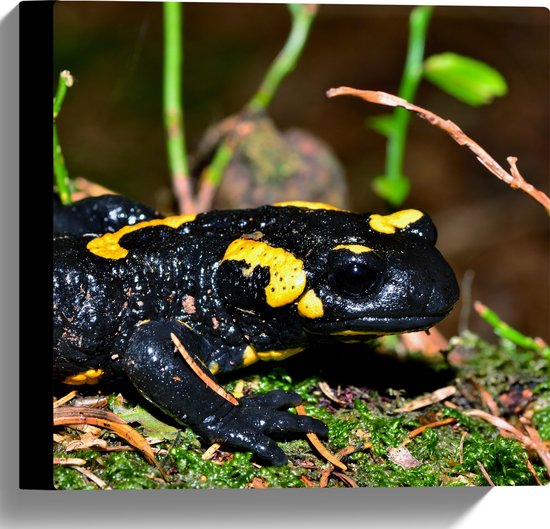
[468,451]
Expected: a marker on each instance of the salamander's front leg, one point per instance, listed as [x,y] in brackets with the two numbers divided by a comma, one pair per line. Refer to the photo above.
[160,373]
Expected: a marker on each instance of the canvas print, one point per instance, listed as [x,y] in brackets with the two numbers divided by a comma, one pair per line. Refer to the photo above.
[300,246]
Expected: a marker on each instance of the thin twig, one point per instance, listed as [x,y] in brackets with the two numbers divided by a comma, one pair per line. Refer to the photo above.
[346,479]
[531,469]
[201,374]
[70,415]
[212,449]
[436,396]
[419,430]
[76,461]
[485,474]
[486,397]
[63,400]
[514,180]
[532,441]
[318,445]
[461,447]
[323,482]
[327,392]
[92,477]
[539,445]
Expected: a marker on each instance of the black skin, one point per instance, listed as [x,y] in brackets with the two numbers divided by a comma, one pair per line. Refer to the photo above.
[118,314]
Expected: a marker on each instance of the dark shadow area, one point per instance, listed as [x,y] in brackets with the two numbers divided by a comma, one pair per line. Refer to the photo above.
[362,366]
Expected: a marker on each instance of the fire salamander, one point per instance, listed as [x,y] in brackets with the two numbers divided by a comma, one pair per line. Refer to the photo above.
[234,287]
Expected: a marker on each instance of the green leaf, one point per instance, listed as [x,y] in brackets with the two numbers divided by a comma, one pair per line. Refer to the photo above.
[152,427]
[393,190]
[468,80]
[383,124]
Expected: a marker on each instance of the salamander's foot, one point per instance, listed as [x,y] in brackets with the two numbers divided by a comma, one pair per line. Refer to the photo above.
[251,425]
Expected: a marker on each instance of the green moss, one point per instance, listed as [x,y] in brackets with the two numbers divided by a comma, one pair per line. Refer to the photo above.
[67,478]
[503,364]
[541,417]
[541,420]
[128,470]
[193,472]
[385,431]
[503,459]
[449,455]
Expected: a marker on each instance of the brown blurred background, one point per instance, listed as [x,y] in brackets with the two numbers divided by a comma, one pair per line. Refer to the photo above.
[111,124]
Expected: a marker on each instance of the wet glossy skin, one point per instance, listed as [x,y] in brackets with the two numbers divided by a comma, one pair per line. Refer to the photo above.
[235,287]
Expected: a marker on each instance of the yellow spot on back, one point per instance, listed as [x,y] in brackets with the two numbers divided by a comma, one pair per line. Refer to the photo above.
[249,356]
[399,219]
[91,376]
[308,205]
[278,355]
[287,278]
[108,246]
[310,306]
[355,248]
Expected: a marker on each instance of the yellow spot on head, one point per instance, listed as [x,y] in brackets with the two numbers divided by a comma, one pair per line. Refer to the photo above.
[354,333]
[310,306]
[308,205]
[108,246]
[278,355]
[287,278]
[86,377]
[355,248]
[399,219]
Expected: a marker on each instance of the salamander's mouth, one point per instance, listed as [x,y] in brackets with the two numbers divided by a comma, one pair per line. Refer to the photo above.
[370,327]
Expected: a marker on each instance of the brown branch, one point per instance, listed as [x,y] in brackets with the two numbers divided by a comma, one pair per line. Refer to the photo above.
[201,374]
[419,430]
[71,415]
[63,400]
[513,179]
[300,410]
[346,479]
[436,396]
[532,441]
[485,474]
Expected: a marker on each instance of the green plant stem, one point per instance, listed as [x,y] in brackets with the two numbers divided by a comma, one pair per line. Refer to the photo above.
[285,62]
[172,101]
[61,174]
[65,81]
[221,159]
[412,74]
[502,329]
[302,18]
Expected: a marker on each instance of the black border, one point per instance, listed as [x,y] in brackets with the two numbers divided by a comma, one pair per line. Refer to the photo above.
[35,250]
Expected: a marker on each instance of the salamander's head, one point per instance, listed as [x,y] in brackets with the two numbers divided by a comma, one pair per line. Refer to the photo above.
[376,275]
[340,274]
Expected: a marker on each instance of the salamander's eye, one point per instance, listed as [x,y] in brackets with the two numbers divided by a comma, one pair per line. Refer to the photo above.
[353,275]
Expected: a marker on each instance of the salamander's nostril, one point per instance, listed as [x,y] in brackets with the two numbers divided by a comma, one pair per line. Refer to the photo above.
[418,294]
